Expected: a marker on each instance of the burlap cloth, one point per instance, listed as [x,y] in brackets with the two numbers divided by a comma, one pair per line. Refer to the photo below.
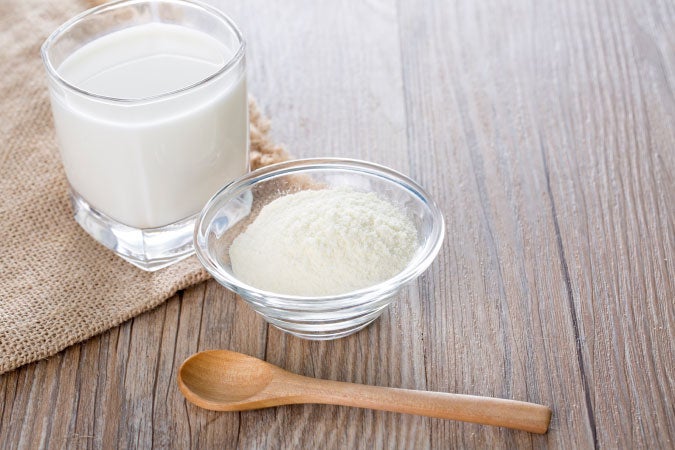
[57,285]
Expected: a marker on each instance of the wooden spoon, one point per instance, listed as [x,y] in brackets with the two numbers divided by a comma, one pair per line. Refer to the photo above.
[221,380]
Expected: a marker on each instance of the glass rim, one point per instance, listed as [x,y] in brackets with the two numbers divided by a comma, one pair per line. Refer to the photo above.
[74,21]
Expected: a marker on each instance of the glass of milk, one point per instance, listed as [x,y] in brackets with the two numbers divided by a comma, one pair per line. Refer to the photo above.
[150,110]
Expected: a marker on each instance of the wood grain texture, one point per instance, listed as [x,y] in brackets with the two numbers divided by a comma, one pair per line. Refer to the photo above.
[545,130]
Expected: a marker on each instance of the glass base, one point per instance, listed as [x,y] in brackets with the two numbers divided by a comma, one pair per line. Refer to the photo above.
[149,249]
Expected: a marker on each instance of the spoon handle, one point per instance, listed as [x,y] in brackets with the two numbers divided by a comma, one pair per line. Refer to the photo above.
[468,408]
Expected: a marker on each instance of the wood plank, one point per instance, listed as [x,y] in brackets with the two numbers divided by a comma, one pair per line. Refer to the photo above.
[612,186]
[334,88]
[505,328]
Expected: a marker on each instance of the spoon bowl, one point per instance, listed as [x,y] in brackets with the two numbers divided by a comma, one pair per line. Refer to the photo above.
[222,380]
[224,377]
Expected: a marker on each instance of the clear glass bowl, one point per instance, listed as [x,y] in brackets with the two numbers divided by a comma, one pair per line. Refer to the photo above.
[229,212]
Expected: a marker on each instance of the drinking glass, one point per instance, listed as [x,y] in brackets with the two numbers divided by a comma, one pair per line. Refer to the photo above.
[141,167]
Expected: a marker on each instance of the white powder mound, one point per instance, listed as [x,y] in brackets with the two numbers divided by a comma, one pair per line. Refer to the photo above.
[323,242]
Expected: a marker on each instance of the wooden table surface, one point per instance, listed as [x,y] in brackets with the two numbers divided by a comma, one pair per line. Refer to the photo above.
[546,132]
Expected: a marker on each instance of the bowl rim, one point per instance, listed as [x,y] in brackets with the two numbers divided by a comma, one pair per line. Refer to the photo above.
[318,303]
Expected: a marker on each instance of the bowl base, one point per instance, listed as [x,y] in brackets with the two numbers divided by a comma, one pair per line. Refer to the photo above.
[326,336]
[328,330]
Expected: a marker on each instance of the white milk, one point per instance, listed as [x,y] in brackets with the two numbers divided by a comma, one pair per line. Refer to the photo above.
[149,163]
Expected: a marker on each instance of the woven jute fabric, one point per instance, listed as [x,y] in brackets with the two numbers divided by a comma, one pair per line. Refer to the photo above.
[57,285]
